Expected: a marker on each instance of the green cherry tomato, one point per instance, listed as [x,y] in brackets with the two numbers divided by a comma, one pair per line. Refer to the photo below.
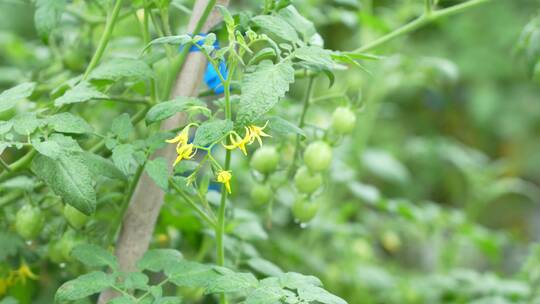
[307,182]
[66,244]
[261,194]
[74,60]
[265,159]
[343,120]
[318,156]
[75,218]
[29,221]
[55,252]
[304,211]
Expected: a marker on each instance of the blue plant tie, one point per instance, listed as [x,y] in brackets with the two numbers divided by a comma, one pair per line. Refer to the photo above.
[211,77]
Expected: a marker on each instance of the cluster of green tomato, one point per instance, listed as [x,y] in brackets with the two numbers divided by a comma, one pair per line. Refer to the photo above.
[317,158]
[30,221]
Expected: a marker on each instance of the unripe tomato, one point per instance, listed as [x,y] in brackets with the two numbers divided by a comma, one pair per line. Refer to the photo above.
[391,241]
[307,182]
[75,218]
[74,60]
[261,194]
[304,211]
[66,244]
[265,159]
[318,156]
[343,120]
[55,252]
[29,221]
[278,179]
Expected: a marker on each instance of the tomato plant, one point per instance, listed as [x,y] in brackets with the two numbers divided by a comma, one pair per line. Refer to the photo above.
[276,151]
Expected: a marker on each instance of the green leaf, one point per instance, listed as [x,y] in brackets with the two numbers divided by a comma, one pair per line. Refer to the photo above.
[20,182]
[56,145]
[276,26]
[265,267]
[232,282]
[69,123]
[122,300]
[69,178]
[265,295]
[191,274]
[316,294]
[123,158]
[177,40]
[48,148]
[84,286]
[212,131]
[47,16]
[264,54]
[119,68]
[100,166]
[227,17]
[159,259]
[315,56]
[262,89]
[293,280]
[282,127]
[346,59]
[5,126]
[10,244]
[169,300]
[305,27]
[122,126]
[26,123]
[10,97]
[158,170]
[134,280]
[166,109]
[94,256]
[82,92]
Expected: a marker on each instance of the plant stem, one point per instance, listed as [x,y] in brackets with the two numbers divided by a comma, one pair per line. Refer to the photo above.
[209,220]
[125,203]
[109,26]
[301,122]
[18,165]
[428,6]
[419,22]
[177,64]
[220,228]
[10,197]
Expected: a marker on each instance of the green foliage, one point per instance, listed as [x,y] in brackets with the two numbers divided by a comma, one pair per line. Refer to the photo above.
[10,97]
[48,14]
[84,286]
[212,131]
[82,92]
[212,279]
[262,89]
[69,177]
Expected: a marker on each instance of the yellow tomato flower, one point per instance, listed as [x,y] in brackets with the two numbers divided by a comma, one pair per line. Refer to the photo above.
[181,138]
[162,238]
[224,177]
[239,142]
[21,274]
[257,132]
[184,152]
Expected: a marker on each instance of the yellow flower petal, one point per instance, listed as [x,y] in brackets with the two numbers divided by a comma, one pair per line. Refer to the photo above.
[224,177]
